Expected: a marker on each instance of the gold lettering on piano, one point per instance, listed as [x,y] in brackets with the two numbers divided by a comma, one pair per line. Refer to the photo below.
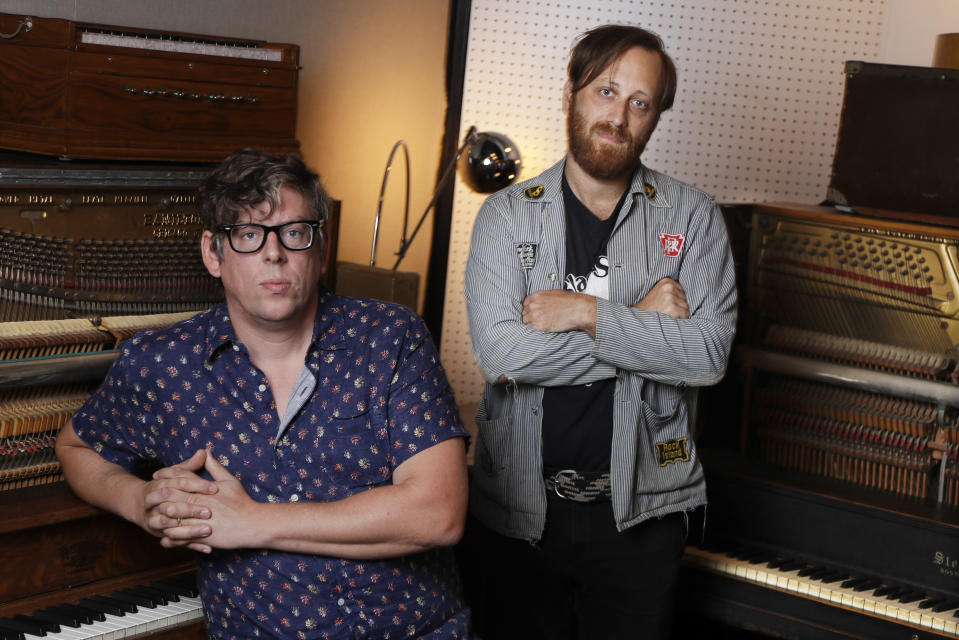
[170,219]
[948,565]
[171,232]
[132,198]
[180,198]
[39,198]
[91,198]
[9,198]
[905,235]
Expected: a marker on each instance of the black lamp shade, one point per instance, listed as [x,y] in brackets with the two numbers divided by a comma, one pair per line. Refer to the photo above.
[490,163]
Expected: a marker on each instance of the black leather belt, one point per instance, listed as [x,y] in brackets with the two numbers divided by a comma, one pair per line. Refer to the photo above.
[579,487]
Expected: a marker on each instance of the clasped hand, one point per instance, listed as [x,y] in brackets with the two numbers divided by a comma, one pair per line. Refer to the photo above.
[184,509]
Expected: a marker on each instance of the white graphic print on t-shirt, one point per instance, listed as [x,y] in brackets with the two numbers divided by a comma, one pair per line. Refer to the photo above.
[596,283]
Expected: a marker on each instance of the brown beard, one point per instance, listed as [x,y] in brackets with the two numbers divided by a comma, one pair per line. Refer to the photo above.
[598,159]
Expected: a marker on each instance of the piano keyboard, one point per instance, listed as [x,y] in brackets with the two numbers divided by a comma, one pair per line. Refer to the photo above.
[126,613]
[835,587]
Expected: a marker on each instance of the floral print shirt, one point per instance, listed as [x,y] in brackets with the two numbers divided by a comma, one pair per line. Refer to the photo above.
[373,394]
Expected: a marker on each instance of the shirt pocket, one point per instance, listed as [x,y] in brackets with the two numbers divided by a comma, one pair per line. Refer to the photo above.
[352,445]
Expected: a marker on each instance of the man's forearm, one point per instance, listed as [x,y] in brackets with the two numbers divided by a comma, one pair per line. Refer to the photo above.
[97,481]
[424,507]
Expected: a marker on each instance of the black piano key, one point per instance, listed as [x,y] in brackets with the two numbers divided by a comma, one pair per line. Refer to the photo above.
[945,606]
[19,627]
[895,592]
[885,590]
[134,599]
[745,553]
[47,625]
[932,601]
[911,596]
[834,576]
[85,615]
[185,588]
[819,572]
[60,618]
[792,565]
[110,607]
[784,563]
[162,596]
[762,557]
[808,570]
[11,634]
[868,585]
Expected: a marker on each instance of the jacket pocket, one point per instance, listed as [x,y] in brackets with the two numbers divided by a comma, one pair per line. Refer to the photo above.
[492,445]
[668,445]
[661,402]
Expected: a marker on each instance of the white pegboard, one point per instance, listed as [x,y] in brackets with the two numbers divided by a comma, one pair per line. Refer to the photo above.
[755,118]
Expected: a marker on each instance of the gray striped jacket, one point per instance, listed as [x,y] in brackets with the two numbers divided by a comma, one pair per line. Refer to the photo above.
[669,230]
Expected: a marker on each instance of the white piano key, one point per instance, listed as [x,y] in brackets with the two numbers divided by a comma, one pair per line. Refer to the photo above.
[131,624]
[833,593]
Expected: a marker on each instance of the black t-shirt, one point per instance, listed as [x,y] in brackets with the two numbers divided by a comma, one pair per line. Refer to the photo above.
[578,419]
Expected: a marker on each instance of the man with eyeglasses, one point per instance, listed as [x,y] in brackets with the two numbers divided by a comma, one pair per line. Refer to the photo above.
[311,450]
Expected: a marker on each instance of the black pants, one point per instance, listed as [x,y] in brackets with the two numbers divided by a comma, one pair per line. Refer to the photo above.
[583,581]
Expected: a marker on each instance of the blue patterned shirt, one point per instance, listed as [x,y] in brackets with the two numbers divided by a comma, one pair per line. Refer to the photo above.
[373,394]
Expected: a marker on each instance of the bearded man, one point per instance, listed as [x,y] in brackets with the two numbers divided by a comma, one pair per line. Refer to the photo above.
[601,294]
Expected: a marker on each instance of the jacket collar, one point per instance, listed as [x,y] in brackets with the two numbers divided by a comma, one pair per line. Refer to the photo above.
[547,186]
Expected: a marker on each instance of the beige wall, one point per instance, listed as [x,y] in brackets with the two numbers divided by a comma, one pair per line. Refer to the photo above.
[912,27]
[373,72]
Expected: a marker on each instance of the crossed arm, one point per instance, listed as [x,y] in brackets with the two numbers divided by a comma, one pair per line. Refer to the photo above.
[679,332]
[423,508]
[554,310]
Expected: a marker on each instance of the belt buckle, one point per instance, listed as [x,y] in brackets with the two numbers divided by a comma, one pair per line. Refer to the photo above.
[572,475]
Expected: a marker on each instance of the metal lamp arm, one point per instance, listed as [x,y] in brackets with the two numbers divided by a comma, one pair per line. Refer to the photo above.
[404,243]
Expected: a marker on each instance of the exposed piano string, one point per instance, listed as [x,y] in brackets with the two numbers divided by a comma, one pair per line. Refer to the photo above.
[32,416]
[49,277]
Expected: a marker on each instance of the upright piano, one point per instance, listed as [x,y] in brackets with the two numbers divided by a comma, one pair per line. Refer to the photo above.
[105,133]
[836,513]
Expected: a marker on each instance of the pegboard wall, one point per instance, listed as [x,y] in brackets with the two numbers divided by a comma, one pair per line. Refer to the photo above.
[755,118]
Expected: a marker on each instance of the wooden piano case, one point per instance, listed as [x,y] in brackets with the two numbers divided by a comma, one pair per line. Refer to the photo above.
[79,90]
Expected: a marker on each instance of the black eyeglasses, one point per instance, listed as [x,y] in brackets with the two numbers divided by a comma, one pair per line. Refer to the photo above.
[250,238]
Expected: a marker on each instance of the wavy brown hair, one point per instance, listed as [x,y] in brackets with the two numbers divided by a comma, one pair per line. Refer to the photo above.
[600,47]
[249,177]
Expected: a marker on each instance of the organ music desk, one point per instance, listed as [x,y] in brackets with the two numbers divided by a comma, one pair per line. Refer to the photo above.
[834,501]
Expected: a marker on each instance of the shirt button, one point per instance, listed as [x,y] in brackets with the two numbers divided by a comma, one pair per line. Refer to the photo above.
[236,348]
[341,602]
[262,387]
[295,498]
